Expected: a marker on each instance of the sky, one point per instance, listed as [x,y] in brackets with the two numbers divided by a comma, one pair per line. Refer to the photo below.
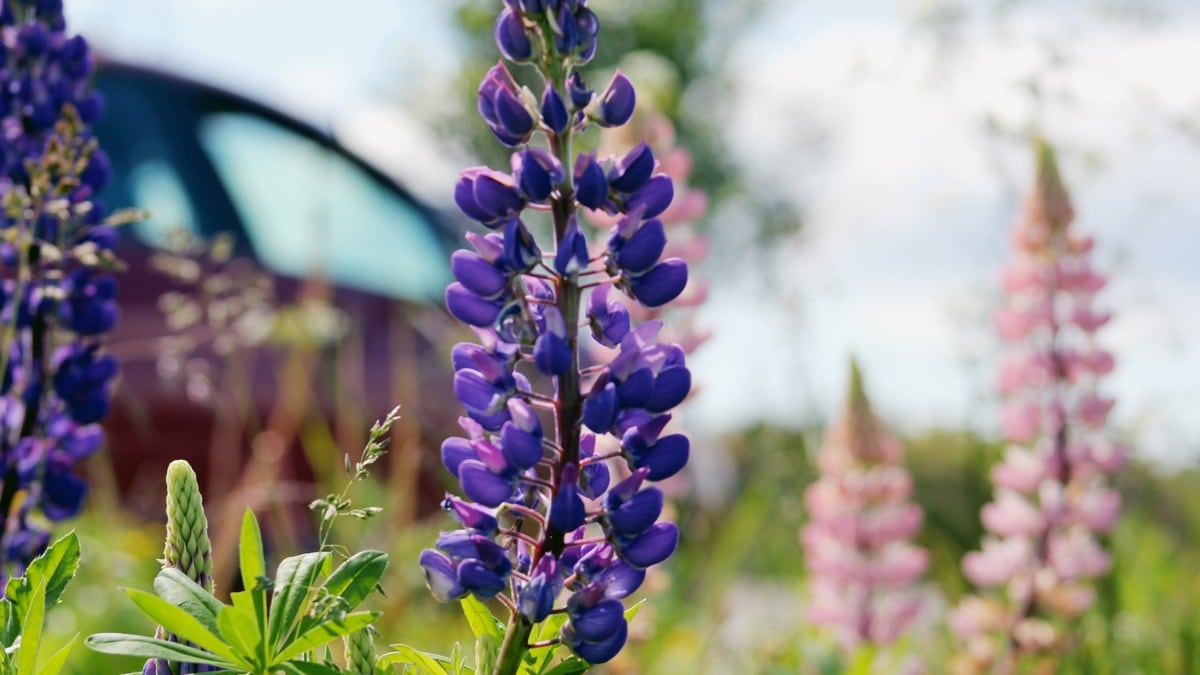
[906,198]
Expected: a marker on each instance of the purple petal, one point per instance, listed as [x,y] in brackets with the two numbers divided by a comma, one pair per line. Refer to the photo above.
[511,37]
[554,110]
[651,547]
[644,248]
[477,275]
[617,102]
[670,388]
[637,514]
[591,187]
[483,486]
[662,284]
[470,308]
[522,450]
[440,576]
[632,171]
[596,652]
[666,457]
[480,580]
[598,622]
[456,450]
[600,409]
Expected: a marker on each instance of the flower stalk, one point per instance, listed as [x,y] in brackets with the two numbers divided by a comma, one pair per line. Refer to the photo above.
[540,519]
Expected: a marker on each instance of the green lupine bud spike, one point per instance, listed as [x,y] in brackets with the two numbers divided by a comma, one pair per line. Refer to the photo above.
[188,548]
[360,652]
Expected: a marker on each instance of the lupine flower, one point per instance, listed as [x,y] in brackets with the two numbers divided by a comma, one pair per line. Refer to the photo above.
[187,548]
[543,529]
[56,299]
[861,563]
[1052,498]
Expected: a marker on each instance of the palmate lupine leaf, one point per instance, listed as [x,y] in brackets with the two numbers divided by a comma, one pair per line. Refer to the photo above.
[253,635]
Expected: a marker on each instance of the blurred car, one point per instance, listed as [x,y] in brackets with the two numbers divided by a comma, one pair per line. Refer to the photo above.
[311,215]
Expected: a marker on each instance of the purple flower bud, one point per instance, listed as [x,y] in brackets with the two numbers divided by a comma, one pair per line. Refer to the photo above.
[521,252]
[572,255]
[470,308]
[587,27]
[633,171]
[595,652]
[662,284]
[478,275]
[481,485]
[620,579]
[440,576]
[634,515]
[491,197]
[478,393]
[489,246]
[581,95]
[609,319]
[522,449]
[651,547]
[600,408]
[643,249]
[671,387]
[536,599]
[471,516]
[598,621]
[554,110]
[455,451]
[663,457]
[511,37]
[501,106]
[551,352]
[566,510]
[616,104]
[537,172]
[654,198]
[566,30]
[479,579]
[591,187]
[62,493]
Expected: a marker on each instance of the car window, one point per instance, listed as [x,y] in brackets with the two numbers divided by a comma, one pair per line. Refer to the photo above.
[156,187]
[308,209]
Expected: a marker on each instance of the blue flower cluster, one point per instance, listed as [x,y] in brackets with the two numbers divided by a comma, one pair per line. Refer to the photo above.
[540,518]
[56,299]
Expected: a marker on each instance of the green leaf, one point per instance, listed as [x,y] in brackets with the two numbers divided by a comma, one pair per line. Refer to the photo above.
[480,618]
[152,648]
[250,552]
[633,611]
[241,631]
[55,663]
[425,662]
[178,621]
[31,628]
[354,579]
[487,648]
[53,569]
[307,668]
[295,580]
[180,590]
[572,666]
[325,632]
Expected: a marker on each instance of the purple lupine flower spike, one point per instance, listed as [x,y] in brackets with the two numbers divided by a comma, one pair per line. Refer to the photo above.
[57,378]
[526,460]
[1052,496]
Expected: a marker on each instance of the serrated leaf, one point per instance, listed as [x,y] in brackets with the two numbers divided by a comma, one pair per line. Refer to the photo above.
[180,590]
[53,569]
[480,618]
[151,648]
[430,663]
[179,622]
[31,629]
[295,580]
[250,552]
[325,632]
